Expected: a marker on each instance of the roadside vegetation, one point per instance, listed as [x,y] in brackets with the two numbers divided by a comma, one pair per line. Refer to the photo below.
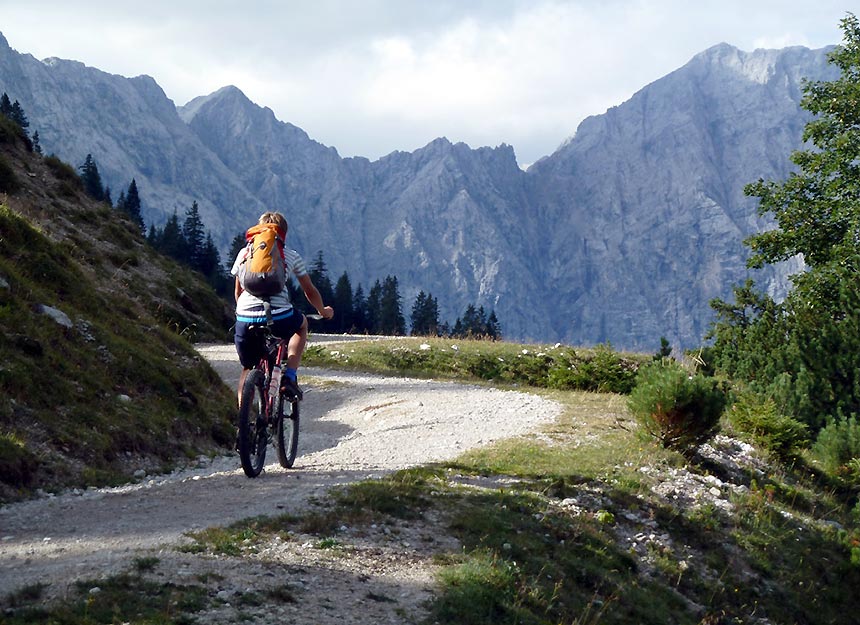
[99,378]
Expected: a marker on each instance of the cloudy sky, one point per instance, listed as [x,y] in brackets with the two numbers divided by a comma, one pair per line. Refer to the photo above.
[373,76]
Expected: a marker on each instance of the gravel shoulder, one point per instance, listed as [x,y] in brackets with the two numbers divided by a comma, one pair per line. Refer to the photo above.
[354,426]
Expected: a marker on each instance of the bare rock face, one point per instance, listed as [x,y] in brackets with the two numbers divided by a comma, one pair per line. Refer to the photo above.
[624,234]
[647,200]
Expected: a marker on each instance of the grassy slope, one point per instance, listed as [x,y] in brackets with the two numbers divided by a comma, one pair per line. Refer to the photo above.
[122,387]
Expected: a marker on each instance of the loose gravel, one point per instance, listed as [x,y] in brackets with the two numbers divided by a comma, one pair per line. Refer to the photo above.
[354,427]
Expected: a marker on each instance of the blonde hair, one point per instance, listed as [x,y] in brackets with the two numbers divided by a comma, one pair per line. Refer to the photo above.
[276,218]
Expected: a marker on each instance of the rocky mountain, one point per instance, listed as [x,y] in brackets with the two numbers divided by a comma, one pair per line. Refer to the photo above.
[647,203]
[623,234]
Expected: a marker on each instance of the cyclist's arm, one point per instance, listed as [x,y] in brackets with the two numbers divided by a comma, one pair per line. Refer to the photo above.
[314,297]
[237,290]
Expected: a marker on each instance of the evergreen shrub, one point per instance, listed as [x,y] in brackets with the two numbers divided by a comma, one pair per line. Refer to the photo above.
[760,418]
[680,410]
[837,447]
[605,371]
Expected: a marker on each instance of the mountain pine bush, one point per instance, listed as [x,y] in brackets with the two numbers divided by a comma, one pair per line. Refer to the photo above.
[680,410]
[767,426]
[838,446]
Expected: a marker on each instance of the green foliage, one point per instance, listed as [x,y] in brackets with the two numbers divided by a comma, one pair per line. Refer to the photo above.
[802,352]
[816,209]
[129,203]
[91,179]
[600,369]
[680,410]
[761,420]
[10,132]
[837,445]
[425,315]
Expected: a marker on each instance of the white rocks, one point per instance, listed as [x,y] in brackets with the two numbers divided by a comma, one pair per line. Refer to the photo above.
[55,314]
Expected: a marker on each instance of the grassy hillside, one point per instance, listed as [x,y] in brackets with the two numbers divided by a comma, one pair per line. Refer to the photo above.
[98,376]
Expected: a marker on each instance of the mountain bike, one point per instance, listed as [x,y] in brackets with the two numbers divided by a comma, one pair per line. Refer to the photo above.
[267,412]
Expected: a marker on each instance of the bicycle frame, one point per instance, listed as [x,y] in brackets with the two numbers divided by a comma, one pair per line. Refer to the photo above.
[267,364]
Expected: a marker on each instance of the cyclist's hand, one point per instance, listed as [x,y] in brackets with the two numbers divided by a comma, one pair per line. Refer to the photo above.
[327,312]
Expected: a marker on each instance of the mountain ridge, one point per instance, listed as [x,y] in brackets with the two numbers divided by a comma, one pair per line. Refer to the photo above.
[625,232]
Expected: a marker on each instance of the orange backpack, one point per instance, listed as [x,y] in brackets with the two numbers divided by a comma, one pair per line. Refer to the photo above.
[262,271]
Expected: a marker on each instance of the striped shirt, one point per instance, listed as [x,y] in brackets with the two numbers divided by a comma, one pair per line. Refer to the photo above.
[249,308]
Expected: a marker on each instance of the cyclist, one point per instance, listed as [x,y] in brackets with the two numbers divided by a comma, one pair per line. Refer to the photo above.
[287,322]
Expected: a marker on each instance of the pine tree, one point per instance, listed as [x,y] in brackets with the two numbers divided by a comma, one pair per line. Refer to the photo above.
[171,242]
[91,179]
[342,303]
[374,309]
[319,276]
[425,315]
[130,205]
[391,319]
[17,115]
[194,234]
[359,311]
[209,261]
[37,145]
[5,105]
[494,328]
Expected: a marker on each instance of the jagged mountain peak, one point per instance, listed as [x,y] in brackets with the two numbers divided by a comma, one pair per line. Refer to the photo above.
[229,94]
[626,232]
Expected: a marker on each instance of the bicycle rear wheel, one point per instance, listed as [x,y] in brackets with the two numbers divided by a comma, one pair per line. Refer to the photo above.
[287,432]
[253,437]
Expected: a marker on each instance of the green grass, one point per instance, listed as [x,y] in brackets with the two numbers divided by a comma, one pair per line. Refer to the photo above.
[125,598]
[556,366]
[115,385]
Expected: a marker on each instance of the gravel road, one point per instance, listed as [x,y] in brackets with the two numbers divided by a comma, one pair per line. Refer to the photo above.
[354,426]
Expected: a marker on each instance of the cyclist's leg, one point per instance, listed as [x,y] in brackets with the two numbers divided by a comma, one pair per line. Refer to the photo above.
[249,347]
[297,344]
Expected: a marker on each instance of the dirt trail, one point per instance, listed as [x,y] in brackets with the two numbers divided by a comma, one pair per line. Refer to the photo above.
[354,426]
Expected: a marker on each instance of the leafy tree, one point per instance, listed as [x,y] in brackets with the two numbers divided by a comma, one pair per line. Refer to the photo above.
[802,352]
[91,179]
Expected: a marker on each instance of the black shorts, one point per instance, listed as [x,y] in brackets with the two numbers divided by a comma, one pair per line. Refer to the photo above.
[250,343]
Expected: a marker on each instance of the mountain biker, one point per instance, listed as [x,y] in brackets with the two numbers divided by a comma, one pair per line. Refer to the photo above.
[287,322]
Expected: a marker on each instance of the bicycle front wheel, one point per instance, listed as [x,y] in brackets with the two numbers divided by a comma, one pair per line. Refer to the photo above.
[287,432]
[253,437]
